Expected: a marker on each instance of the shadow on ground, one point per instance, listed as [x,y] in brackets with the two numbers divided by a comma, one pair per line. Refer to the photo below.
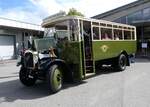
[106,70]
[8,76]
[14,90]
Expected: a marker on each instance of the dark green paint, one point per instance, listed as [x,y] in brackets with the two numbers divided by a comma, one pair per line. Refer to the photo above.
[114,48]
[71,53]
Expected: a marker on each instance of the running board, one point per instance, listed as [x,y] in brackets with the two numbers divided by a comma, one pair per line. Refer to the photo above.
[89,75]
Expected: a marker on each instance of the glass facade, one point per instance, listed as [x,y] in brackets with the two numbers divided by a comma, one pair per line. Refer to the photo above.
[122,20]
[146,14]
[134,17]
[143,14]
[140,18]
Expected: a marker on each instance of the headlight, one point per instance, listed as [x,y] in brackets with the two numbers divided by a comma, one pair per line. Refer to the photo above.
[35,59]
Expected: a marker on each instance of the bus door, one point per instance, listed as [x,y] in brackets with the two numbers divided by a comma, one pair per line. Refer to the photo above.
[87,49]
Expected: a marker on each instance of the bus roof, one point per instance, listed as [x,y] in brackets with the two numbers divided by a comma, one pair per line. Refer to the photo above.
[51,21]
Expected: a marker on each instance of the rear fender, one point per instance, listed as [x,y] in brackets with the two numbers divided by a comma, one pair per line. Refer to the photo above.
[127,56]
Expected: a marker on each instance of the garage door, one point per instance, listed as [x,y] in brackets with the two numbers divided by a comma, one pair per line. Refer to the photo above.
[6,47]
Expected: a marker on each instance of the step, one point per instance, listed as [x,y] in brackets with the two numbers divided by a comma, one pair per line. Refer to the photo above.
[89,60]
[89,66]
[89,74]
[89,71]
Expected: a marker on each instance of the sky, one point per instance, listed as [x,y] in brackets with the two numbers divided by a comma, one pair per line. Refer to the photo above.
[33,11]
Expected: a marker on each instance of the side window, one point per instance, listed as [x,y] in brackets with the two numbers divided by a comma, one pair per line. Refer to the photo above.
[74,30]
[127,35]
[106,34]
[96,33]
[61,32]
[118,34]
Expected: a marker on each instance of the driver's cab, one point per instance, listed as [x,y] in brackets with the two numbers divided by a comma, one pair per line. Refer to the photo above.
[66,29]
[72,43]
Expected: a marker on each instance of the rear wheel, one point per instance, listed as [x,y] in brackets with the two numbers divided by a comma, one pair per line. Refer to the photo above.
[54,79]
[25,77]
[121,63]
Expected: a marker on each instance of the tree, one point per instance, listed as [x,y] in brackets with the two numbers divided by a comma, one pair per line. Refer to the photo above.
[74,12]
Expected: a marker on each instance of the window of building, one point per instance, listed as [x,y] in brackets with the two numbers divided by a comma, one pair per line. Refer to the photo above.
[96,33]
[146,14]
[127,35]
[118,34]
[118,20]
[106,34]
[121,20]
[134,17]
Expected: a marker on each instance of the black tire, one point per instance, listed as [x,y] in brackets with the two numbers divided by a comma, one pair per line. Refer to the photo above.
[54,79]
[25,78]
[121,63]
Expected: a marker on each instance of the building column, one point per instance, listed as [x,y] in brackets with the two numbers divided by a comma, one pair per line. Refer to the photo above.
[142,34]
[15,48]
[23,35]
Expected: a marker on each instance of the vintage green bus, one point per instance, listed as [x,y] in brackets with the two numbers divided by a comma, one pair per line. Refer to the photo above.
[77,48]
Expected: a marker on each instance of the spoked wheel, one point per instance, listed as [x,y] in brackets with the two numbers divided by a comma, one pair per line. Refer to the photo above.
[122,62]
[25,78]
[54,79]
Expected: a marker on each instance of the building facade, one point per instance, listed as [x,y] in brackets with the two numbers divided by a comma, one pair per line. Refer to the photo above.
[137,14]
[14,36]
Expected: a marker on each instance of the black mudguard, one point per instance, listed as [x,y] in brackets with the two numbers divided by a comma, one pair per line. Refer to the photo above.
[68,74]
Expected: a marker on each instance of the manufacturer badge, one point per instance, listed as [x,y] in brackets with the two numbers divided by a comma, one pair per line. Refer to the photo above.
[104,48]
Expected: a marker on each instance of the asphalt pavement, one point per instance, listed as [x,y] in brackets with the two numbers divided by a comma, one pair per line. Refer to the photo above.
[130,88]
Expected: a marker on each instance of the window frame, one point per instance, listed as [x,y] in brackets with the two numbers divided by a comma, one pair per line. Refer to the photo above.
[98,32]
[103,24]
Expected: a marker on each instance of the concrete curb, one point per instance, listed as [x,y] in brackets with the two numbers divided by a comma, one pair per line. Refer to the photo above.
[143,57]
[7,61]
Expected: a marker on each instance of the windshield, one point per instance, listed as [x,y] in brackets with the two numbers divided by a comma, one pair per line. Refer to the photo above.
[44,44]
[65,30]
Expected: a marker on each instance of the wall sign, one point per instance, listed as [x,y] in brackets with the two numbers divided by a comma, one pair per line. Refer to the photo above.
[144,45]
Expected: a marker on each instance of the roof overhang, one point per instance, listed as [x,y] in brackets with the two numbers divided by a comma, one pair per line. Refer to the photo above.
[52,21]
[18,24]
[120,9]
[48,22]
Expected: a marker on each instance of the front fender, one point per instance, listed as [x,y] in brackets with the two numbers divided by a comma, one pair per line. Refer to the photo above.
[49,63]
[68,74]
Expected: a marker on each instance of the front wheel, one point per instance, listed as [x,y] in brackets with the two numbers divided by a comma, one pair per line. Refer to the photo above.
[54,78]
[121,63]
[25,77]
